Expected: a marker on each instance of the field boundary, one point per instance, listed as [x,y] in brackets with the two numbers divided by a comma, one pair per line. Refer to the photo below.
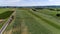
[7,22]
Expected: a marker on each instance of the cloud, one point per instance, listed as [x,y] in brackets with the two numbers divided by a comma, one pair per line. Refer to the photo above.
[51,0]
[28,2]
[40,2]
[10,0]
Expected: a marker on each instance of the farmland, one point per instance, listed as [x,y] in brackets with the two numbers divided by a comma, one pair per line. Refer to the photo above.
[4,16]
[28,21]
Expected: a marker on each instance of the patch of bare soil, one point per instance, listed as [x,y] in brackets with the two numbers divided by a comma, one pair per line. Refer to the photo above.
[24,28]
[8,32]
[1,20]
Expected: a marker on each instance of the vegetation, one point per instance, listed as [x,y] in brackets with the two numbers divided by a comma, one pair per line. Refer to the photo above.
[38,22]
[4,15]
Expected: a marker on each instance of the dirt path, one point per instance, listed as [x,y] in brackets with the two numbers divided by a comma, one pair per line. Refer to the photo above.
[24,28]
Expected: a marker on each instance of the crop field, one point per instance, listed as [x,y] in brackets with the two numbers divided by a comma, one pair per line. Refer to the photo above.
[4,15]
[28,21]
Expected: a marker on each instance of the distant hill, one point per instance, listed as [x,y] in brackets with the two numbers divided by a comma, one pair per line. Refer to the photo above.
[29,6]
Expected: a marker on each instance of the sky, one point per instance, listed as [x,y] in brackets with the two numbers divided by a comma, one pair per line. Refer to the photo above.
[29,2]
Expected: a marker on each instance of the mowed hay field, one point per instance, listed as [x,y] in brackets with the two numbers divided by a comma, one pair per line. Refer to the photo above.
[28,21]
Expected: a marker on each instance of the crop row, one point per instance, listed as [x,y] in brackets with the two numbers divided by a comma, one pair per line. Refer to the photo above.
[5,14]
[34,26]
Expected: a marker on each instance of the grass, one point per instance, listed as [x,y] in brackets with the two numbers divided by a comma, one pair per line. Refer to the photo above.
[35,27]
[49,21]
[37,22]
[48,12]
[34,24]
[45,23]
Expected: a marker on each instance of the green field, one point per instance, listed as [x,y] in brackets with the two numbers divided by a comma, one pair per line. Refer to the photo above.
[35,22]
[4,14]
